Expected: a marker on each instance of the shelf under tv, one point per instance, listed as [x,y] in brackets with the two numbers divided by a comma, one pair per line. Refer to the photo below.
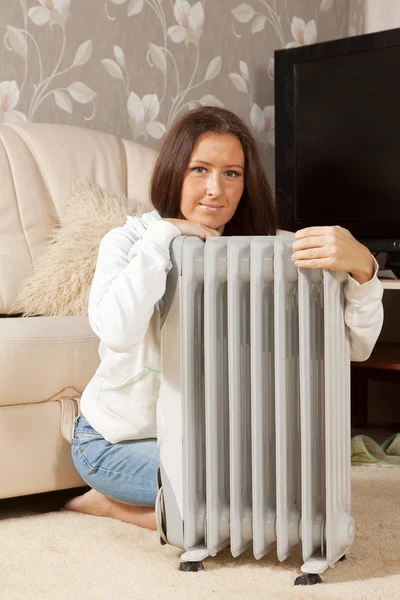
[391,284]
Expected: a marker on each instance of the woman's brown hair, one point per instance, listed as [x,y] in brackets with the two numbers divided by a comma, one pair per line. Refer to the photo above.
[255,214]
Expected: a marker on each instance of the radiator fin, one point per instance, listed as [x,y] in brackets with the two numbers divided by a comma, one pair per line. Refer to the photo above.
[339,523]
[216,394]
[239,393]
[263,394]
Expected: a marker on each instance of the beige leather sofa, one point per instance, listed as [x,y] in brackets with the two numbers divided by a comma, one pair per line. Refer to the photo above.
[46,362]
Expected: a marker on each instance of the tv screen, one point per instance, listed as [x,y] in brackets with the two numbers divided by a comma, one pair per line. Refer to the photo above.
[337,107]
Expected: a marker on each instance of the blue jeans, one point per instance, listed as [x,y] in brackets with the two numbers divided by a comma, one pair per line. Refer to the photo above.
[126,471]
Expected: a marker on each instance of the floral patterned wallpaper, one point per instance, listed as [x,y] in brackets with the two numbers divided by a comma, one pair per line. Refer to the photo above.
[131,67]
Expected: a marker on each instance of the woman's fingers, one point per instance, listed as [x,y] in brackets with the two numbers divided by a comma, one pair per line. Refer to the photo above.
[317,231]
[321,247]
[332,248]
[311,253]
[193,228]
[310,242]
[206,232]
[315,263]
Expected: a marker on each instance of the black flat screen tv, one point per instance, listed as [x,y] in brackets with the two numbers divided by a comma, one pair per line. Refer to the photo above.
[337,131]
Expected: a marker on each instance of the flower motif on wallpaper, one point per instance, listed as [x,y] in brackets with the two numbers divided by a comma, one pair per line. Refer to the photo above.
[303,33]
[9,97]
[54,12]
[244,13]
[117,68]
[271,69]
[190,22]
[19,40]
[134,7]
[262,120]
[143,112]
[142,115]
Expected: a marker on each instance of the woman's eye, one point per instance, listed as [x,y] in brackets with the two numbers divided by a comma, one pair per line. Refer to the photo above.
[200,170]
[233,174]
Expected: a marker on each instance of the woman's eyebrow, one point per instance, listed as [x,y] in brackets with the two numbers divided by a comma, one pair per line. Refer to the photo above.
[204,162]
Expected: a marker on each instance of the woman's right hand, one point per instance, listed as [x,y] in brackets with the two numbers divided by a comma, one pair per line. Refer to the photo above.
[192,228]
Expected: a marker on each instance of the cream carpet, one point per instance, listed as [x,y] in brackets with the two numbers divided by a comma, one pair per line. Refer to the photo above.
[63,555]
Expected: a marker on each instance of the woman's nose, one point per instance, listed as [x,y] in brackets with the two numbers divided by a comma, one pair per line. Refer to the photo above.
[214,185]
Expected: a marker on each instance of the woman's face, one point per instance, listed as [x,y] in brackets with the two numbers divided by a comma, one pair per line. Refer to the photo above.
[214,180]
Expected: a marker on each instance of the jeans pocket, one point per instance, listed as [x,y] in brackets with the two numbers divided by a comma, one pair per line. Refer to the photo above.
[82,431]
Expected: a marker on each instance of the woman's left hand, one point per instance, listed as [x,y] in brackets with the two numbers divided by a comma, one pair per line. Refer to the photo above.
[333,248]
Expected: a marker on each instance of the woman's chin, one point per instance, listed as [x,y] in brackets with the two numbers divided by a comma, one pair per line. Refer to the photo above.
[211,221]
[213,224]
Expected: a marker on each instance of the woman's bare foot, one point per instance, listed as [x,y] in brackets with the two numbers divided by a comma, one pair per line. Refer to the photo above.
[90,503]
[94,503]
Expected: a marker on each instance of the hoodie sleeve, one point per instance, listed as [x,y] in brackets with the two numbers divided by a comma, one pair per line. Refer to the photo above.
[363,315]
[130,278]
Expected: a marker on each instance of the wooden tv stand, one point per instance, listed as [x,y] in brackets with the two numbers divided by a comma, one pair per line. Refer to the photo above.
[391,284]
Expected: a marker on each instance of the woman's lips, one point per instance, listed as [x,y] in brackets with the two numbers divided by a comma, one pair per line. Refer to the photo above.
[211,207]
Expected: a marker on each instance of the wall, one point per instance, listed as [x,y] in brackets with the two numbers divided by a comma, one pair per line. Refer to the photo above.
[381,14]
[130,67]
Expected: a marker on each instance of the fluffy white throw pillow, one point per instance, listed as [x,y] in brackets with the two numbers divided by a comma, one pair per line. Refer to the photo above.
[62,276]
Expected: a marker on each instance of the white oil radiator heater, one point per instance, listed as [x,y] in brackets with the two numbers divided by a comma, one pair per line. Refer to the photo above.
[253,417]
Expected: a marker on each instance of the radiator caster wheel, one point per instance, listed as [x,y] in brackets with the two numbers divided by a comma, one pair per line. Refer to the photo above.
[308,579]
[193,566]
[342,558]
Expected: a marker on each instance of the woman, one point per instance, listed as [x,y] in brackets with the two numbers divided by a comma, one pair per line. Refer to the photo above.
[208,181]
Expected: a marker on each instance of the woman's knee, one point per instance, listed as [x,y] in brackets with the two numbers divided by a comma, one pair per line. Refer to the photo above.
[126,472]
[138,488]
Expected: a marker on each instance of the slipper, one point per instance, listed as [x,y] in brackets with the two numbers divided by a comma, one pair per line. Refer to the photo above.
[365,451]
[391,446]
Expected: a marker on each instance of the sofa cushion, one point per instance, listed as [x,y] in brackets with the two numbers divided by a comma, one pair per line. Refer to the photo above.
[60,282]
[43,358]
[38,162]
[34,457]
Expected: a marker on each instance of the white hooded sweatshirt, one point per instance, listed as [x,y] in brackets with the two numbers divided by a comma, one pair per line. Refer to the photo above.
[130,280]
